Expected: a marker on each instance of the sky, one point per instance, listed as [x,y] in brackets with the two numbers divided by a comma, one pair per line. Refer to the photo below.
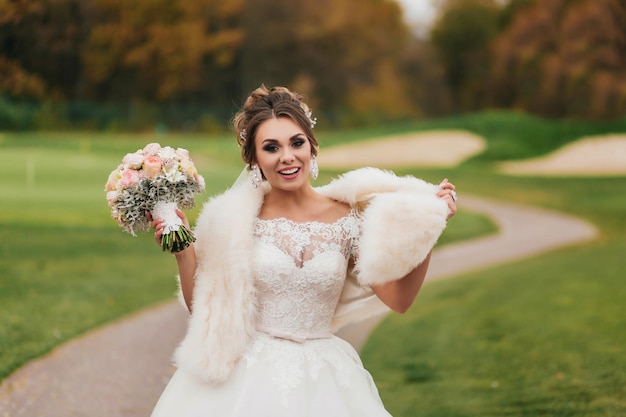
[419,13]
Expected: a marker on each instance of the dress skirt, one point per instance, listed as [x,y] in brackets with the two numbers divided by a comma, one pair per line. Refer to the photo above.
[280,377]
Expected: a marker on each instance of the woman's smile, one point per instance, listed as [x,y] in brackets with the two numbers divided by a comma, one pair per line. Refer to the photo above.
[283,153]
[289,172]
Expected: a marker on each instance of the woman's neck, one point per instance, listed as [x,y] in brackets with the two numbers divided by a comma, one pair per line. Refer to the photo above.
[302,204]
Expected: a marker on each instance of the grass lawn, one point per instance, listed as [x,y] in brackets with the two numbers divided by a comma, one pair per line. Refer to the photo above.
[539,337]
[66,266]
[544,336]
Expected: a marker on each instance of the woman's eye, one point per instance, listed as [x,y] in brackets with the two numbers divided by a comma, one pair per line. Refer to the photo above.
[270,148]
[298,143]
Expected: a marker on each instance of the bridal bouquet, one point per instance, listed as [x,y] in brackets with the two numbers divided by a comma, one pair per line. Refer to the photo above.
[155,179]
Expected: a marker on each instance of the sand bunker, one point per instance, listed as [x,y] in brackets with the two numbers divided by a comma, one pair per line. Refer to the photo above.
[592,156]
[424,149]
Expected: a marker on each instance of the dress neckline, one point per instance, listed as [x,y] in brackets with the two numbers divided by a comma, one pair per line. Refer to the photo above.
[346,216]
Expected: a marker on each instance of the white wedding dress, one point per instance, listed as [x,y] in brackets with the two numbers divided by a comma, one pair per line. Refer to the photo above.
[294,367]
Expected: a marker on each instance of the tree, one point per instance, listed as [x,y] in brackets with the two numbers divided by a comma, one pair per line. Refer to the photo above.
[331,50]
[461,35]
[342,54]
[564,58]
[160,49]
[40,47]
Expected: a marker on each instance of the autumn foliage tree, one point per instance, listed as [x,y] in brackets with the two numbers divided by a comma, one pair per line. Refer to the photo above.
[557,58]
[355,60]
[564,58]
[39,47]
[340,53]
[161,50]
[347,56]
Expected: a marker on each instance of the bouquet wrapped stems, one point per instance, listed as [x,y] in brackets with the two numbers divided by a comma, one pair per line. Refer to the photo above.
[176,237]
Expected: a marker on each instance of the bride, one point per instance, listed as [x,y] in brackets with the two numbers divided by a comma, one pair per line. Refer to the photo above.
[279,266]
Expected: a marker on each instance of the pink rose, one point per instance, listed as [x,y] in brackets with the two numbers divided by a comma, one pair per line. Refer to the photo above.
[129,177]
[152,166]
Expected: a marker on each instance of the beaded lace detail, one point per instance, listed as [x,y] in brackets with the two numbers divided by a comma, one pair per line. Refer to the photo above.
[300,271]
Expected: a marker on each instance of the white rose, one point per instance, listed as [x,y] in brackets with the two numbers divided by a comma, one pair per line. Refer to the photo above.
[170,169]
[188,168]
[200,180]
[167,153]
[151,149]
[183,154]
[112,197]
[133,160]
[113,180]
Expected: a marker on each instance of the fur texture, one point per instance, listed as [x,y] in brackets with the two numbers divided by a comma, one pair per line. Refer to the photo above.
[402,220]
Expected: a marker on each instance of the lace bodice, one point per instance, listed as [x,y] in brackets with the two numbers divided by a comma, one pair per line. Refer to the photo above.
[300,270]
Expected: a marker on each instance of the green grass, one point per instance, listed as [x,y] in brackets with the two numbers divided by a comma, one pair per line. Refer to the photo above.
[510,135]
[544,336]
[540,337]
[65,265]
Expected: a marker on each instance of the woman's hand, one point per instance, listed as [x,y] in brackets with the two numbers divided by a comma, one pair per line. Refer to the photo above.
[158,224]
[448,193]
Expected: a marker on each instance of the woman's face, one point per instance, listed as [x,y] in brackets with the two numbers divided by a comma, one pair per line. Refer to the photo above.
[283,153]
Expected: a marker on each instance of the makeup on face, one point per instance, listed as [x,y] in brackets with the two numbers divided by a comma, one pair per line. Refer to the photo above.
[283,153]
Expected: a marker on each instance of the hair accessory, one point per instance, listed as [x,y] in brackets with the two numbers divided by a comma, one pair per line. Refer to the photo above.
[314,169]
[312,120]
[242,134]
[257,177]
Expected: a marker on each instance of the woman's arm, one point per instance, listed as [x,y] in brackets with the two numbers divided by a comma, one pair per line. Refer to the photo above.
[186,260]
[400,294]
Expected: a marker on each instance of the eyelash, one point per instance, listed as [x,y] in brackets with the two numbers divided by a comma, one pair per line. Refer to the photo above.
[273,148]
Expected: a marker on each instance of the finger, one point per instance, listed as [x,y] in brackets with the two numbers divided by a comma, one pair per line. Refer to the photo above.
[448,195]
[180,214]
[183,217]
[158,232]
[447,186]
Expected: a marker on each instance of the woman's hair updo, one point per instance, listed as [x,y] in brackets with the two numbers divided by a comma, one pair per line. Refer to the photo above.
[263,104]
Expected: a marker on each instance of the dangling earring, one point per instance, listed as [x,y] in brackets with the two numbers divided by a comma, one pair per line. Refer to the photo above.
[314,169]
[256,177]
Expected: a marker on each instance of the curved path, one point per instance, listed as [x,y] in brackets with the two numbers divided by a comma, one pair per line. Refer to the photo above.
[120,369]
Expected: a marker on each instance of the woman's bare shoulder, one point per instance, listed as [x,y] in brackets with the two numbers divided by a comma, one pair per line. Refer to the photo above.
[336,209]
